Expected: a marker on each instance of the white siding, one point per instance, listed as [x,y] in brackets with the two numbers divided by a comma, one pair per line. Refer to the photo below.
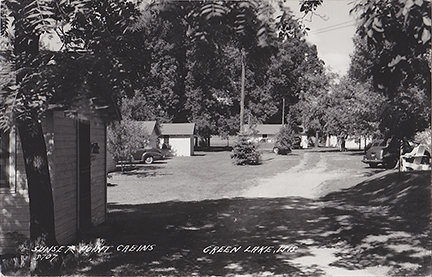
[181,146]
[61,139]
[63,165]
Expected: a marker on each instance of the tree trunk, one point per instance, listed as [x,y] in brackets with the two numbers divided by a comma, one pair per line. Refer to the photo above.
[26,47]
[38,180]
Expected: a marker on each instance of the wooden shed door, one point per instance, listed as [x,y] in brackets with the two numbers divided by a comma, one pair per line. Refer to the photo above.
[84,197]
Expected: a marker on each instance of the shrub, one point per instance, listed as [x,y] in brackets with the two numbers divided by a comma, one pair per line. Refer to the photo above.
[423,137]
[125,138]
[245,152]
[285,137]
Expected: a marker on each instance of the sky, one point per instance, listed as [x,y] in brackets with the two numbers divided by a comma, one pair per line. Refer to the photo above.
[332,36]
[332,30]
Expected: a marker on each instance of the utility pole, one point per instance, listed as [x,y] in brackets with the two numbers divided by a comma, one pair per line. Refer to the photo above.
[283,111]
[242,97]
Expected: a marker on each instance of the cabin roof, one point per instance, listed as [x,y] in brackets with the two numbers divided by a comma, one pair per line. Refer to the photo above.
[150,126]
[177,129]
[266,129]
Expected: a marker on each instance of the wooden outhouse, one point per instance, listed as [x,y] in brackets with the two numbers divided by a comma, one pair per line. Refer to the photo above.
[76,148]
[180,137]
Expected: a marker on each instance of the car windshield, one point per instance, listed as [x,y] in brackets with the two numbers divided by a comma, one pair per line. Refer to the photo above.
[379,143]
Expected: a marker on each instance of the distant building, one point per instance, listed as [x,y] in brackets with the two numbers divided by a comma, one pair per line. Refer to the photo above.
[353,143]
[268,133]
[263,132]
[180,137]
[153,130]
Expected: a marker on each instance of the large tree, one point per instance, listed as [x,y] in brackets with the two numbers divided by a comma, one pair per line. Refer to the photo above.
[85,68]
[354,109]
[394,43]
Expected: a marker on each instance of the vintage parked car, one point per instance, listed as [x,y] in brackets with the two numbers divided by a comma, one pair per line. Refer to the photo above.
[286,148]
[418,159]
[385,152]
[281,150]
[148,155]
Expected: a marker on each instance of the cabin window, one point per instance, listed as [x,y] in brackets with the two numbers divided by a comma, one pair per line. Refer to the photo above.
[7,161]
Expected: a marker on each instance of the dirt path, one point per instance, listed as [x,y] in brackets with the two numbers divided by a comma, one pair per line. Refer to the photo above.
[183,205]
[306,180]
[297,181]
[309,174]
[314,181]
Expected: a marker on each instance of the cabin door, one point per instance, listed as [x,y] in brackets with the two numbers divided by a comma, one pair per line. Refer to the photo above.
[84,199]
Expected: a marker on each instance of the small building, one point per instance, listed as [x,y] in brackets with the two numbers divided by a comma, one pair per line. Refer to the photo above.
[353,143]
[268,133]
[153,130]
[264,132]
[76,150]
[180,137]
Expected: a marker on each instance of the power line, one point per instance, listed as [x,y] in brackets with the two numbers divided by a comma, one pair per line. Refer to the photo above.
[334,29]
[332,26]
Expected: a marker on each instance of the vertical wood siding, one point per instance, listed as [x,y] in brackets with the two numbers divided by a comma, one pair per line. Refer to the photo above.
[98,172]
[61,139]
[64,176]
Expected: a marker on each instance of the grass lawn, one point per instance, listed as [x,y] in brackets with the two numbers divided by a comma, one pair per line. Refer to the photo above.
[207,175]
[380,227]
[213,175]
[173,218]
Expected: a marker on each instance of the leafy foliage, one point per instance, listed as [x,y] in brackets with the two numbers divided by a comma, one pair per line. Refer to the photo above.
[406,114]
[83,76]
[125,138]
[354,109]
[423,137]
[285,137]
[399,33]
[246,152]
[393,47]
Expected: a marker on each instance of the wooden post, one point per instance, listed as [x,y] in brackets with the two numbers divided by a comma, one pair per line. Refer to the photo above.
[242,97]
[283,111]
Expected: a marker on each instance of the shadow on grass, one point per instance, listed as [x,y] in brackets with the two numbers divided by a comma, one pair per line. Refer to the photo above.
[385,222]
[213,149]
[382,222]
[144,171]
[322,150]
[351,152]
[373,171]
[356,153]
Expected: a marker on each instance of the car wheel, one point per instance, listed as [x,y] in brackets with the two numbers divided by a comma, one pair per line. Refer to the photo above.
[276,150]
[148,159]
